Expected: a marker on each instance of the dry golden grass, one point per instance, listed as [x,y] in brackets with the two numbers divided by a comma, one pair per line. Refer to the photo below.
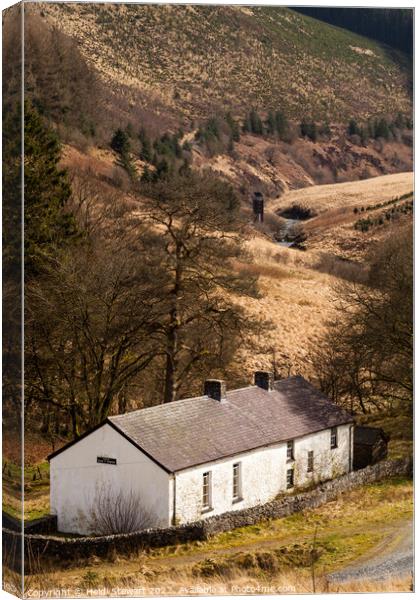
[145,583]
[195,60]
[403,584]
[343,240]
[99,162]
[295,298]
[330,218]
[297,288]
[271,557]
[332,230]
[348,194]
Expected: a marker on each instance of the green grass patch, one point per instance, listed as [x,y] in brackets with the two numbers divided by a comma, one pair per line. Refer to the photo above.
[351,515]
[34,474]
[35,491]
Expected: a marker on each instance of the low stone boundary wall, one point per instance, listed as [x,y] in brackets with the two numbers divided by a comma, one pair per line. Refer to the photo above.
[47,524]
[40,547]
[287,505]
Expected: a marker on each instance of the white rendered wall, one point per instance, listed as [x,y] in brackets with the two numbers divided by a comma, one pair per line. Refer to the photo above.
[263,474]
[76,479]
[328,463]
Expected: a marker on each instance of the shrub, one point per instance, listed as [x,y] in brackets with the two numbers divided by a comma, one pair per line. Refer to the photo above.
[309,130]
[211,568]
[267,562]
[120,142]
[381,129]
[353,128]
[234,128]
[253,123]
[90,579]
[298,211]
[146,146]
[118,512]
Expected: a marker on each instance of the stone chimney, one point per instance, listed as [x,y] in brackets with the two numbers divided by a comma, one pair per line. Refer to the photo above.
[264,380]
[216,389]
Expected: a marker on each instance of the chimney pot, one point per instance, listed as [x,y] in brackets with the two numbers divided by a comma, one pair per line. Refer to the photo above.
[264,380]
[216,389]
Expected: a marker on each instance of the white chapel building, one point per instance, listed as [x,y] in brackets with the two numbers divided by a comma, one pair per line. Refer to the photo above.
[199,457]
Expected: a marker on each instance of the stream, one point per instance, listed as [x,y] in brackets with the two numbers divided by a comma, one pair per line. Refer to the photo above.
[288,240]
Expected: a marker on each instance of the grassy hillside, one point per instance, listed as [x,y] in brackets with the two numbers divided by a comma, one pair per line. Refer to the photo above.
[187,62]
[92,69]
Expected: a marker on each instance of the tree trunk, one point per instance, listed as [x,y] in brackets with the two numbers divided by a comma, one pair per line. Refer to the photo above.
[171,368]
[74,422]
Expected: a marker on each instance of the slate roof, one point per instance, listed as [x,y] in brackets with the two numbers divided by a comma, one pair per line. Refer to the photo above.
[195,431]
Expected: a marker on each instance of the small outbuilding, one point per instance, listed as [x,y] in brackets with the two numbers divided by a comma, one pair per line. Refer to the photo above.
[370,446]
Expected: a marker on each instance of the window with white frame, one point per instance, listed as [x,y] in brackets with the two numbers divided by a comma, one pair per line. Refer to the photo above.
[290,450]
[290,478]
[310,461]
[334,441]
[207,490]
[237,484]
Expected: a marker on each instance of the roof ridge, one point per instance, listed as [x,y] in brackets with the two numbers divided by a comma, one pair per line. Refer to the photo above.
[201,397]
[157,406]
[199,430]
[247,387]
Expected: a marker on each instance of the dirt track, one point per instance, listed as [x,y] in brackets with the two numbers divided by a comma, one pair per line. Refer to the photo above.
[393,558]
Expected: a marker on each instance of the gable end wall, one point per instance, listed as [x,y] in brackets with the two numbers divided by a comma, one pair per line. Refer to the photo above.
[76,479]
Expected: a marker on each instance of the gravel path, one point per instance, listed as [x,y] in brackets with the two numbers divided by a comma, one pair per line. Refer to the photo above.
[393,558]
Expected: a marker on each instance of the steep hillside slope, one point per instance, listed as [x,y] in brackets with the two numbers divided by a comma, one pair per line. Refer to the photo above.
[275,167]
[191,61]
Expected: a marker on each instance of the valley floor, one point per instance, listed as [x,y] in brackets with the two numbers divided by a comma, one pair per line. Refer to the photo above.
[298,287]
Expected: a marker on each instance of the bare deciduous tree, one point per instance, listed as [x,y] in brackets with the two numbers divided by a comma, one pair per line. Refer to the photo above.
[366,357]
[90,328]
[198,235]
[143,297]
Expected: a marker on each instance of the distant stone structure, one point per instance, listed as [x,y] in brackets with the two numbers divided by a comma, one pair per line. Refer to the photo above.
[258,207]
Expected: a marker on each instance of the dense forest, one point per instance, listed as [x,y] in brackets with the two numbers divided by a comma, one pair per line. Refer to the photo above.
[392,26]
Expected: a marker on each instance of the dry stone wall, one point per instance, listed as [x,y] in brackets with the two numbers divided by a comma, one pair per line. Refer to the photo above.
[325,492]
[38,547]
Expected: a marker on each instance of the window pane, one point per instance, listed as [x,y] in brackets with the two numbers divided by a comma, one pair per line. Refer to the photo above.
[310,461]
[236,481]
[290,478]
[206,489]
